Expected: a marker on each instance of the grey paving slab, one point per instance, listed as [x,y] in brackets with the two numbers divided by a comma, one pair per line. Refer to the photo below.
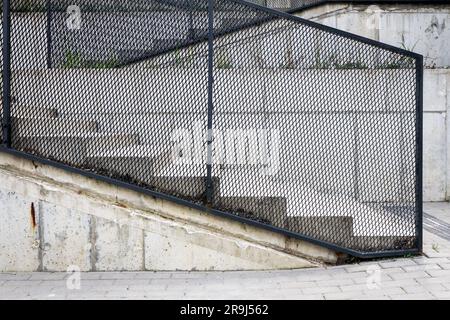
[422,277]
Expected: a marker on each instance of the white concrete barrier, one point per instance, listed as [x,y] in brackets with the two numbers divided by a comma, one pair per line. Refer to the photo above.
[53,219]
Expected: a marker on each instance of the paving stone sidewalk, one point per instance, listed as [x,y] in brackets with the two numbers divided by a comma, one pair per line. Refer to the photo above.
[424,277]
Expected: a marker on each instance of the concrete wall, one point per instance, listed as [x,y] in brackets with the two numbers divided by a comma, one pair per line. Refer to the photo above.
[52,219]
[423,29]
[420,28]
[270,100]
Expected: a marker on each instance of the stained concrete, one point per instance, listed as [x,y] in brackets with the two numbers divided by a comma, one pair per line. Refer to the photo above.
[416,27]
[19,244]
[96,226]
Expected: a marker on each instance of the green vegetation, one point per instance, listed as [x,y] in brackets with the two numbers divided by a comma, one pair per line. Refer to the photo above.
[223,61]
[401,62]
[350,65]
[332,62]
[322,63]
[178,59]
[405,46]
[74,61]
[183,58]
[289,60]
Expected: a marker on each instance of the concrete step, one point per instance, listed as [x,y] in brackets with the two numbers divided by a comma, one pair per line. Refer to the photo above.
[24,111]
[341,231]
[26,126]
[272,211]
[335,218]
[140,162]
[337,230]
[269,210]
[72,149]
[303,199]
[145,165]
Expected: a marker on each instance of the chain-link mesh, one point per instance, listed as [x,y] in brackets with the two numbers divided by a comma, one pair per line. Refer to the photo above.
[327,126]
[314,132]
[76,103]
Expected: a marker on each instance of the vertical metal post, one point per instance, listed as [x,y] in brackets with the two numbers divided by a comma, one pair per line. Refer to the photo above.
[49,34]
[209,183]
[191,32]
[419,150]
[6,125]
[356,155]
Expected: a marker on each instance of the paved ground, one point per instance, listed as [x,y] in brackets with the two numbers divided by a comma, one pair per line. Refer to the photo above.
[425,277]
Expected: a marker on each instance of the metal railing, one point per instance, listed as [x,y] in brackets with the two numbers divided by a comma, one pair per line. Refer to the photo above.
[227,107]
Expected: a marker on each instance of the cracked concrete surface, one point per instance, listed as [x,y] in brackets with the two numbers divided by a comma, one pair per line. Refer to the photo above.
[100,227]
[421,277]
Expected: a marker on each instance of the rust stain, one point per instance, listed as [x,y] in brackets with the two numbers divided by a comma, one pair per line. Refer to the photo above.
[119,204]
[35,165]
[33,216]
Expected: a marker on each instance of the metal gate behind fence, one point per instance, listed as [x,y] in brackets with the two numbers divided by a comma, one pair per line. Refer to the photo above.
[225,106]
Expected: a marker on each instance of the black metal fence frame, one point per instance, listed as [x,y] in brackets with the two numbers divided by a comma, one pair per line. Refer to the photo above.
[7,127]
[315,3]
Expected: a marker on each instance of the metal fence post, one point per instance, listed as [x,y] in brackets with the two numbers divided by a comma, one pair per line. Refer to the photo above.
[209,183]
[419,151]
[49,35]
[6,125]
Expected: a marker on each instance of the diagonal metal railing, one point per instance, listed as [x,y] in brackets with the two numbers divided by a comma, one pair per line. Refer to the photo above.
[224,106]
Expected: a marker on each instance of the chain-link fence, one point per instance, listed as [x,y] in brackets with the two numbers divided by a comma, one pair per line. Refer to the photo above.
[229,107]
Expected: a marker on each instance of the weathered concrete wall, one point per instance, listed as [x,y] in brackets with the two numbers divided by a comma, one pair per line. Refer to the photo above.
[368,21]
[436,153]
[250,99]
[419,28]
[52,219]
[112,103]
[423,29]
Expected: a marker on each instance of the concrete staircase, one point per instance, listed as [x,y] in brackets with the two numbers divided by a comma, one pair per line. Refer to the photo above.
[294,206]
[87,133]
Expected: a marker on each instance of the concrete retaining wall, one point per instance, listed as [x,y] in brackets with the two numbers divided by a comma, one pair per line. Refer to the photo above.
[419,28]
[247,99]
[279,84]
[423,29]
[52,219]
